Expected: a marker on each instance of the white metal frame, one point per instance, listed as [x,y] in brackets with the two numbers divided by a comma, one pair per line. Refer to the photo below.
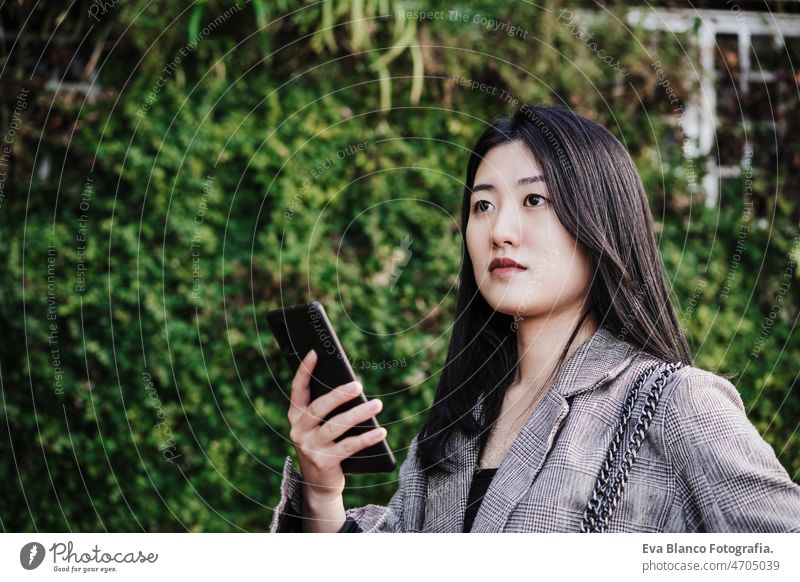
[701,113]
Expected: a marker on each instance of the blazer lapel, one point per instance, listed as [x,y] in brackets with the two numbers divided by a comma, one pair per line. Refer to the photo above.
[522,463]
[597,361]
[448,490]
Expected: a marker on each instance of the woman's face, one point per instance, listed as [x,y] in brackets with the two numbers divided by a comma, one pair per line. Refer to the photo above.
[512,217]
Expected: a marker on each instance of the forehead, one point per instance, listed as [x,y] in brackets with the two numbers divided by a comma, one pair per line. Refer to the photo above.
[508,165]
[510,160]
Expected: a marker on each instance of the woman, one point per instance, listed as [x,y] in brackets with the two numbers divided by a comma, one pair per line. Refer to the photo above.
[562,306]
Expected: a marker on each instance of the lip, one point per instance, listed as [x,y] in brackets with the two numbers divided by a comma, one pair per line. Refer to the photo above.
[506,272]
[505,268]
[503,262]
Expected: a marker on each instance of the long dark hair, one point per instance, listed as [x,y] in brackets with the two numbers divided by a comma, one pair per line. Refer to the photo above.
[599,198]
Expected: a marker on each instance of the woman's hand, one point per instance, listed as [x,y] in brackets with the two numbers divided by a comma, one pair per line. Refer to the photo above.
[318,455]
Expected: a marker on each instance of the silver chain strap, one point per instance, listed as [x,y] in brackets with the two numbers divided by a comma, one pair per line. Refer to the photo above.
[608,490]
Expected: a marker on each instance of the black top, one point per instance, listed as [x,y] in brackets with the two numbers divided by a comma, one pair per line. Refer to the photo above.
[350,526]
[480,483]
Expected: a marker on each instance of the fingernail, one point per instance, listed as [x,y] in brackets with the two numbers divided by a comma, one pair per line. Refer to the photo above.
[311,354]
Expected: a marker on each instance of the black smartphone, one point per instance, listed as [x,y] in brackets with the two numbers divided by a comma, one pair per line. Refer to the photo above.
[304,327]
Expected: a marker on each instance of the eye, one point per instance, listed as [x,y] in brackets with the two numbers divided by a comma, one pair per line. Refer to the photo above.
[538,197]
[478,208]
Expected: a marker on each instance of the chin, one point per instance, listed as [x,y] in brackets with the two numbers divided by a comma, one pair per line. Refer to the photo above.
[510,305]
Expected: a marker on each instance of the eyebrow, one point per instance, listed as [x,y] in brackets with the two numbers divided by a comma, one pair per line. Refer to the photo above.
[520,182]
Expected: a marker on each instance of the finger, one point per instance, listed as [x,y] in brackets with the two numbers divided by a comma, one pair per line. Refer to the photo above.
[341,423]
[321,407]
[351,445]
[300,393]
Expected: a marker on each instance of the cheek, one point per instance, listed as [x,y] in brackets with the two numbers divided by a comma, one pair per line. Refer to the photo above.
[474,238]
[566,268]
[576,273]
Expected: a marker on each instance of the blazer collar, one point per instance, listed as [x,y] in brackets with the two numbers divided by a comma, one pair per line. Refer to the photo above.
[598,360]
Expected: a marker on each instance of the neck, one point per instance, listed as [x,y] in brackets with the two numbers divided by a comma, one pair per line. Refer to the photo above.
[540,341]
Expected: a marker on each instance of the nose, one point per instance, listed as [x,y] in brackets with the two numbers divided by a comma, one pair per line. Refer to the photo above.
[506,227]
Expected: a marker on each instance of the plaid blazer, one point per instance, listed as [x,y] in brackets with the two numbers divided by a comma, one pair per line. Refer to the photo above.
[702,468]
